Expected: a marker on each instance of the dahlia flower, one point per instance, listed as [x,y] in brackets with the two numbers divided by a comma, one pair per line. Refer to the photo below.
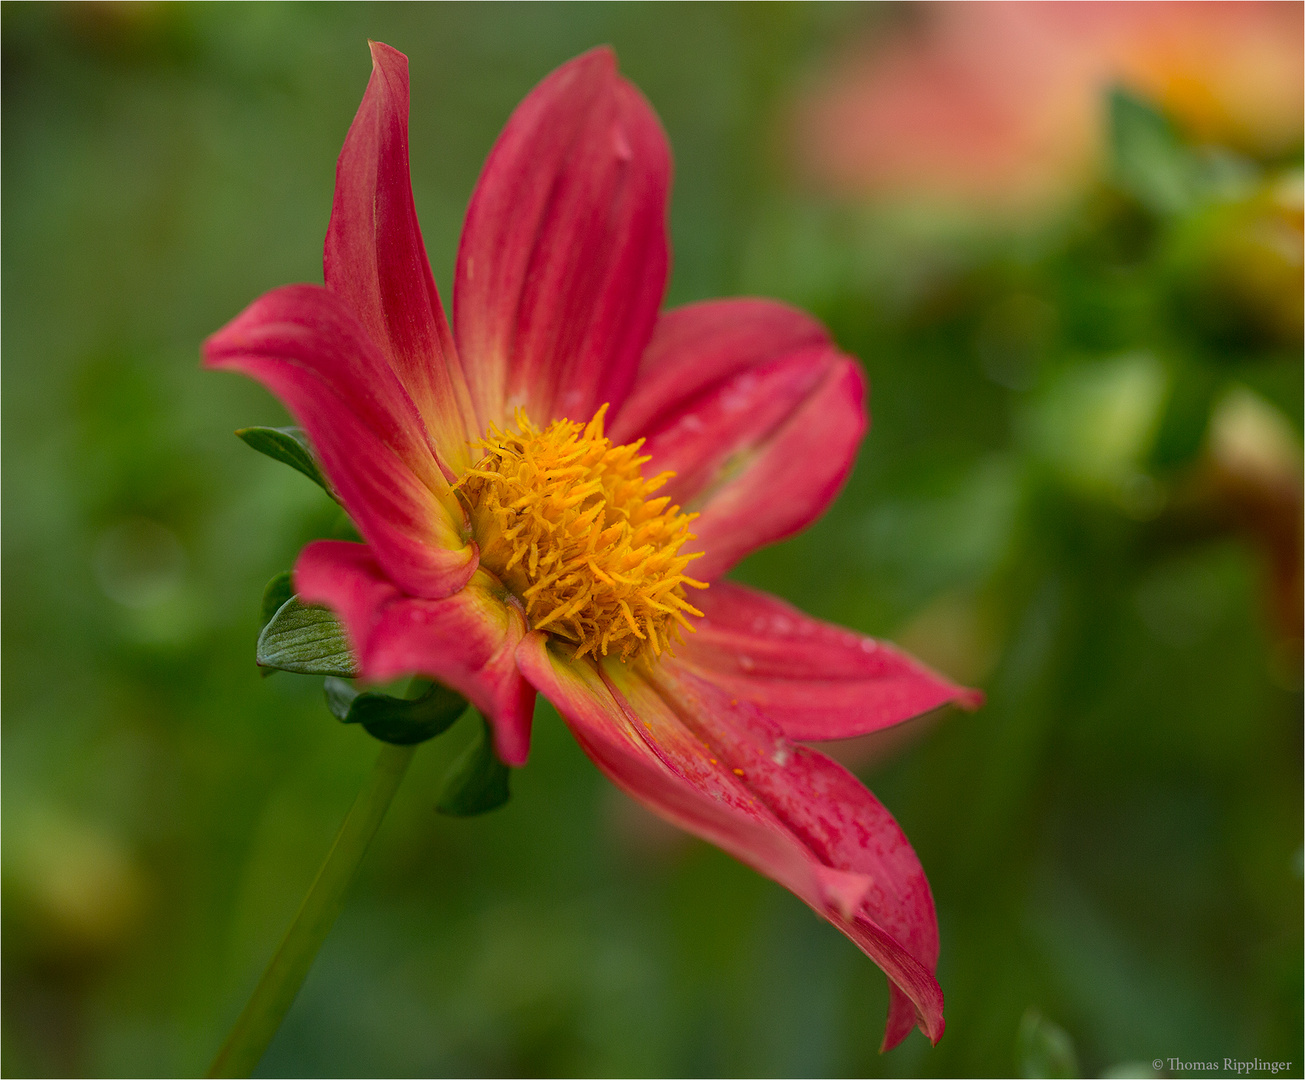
[551,490]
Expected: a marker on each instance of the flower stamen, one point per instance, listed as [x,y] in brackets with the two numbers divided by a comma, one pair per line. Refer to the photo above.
[566,520]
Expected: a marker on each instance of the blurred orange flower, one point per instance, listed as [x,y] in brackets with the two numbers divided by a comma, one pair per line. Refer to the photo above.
[999,104]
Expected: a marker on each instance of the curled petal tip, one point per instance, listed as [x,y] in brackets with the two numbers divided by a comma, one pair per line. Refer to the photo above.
[379,49]
[598,56]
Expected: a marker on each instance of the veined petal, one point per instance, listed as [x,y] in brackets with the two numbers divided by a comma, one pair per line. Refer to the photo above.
[467,641]
[758,415]
[816,680]
[375,261]
[720,769]
[306,347]
[564,255]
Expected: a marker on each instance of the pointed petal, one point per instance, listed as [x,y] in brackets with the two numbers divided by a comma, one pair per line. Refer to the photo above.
[306,347]
[467,641]
[901,1018]
[724,772]
[375,260]
[816,680]
[564,254]
[757,413]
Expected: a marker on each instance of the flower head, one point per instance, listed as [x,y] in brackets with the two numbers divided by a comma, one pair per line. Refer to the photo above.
[998,104]
[565,520]
[551,490]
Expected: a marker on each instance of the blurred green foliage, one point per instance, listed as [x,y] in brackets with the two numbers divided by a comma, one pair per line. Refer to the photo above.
[1114,841]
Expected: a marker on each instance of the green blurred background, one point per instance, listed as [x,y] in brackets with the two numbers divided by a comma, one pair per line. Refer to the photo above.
[1050,503]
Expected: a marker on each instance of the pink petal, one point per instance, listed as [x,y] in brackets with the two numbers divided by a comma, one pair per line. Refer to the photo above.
[902,1018]
[757,414]
[306,347]
[376,263]
[564,255]
[723,771]
[816,680]
[467,641]
[698,345]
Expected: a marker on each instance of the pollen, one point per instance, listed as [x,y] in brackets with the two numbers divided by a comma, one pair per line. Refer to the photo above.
[569,523]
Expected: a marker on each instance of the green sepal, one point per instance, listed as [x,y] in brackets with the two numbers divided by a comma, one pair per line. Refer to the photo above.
[478,781]
[401,721]
[306,640]
[277,592]
[290,447]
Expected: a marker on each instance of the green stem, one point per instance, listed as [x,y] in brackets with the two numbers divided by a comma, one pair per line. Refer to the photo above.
[280,983]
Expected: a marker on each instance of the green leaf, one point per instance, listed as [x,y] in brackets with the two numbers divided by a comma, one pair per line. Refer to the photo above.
[1149,159]
[289,446]
[306,640]
[401,721]
[478,781]
[277,592]
[1044,1049]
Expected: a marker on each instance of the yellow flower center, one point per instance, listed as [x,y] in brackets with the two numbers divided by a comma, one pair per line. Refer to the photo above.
[565,519]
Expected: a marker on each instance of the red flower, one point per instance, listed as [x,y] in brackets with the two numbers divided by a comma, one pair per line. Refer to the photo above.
[519,481]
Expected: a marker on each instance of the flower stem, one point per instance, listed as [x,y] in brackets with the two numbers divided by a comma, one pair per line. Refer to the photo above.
[285,973]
